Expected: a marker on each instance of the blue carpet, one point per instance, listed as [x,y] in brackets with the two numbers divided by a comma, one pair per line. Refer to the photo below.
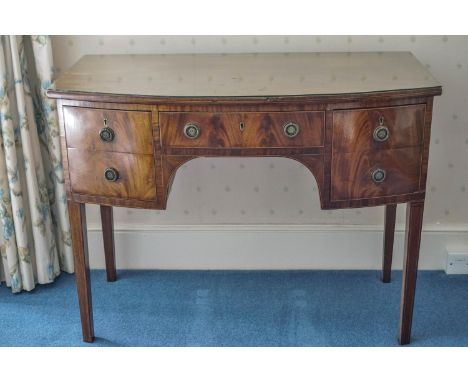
[231,308]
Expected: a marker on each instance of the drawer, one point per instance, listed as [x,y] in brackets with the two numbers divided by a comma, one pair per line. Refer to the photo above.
[250,129]
[136,175]
[375,129]
[108,130]
[352,173]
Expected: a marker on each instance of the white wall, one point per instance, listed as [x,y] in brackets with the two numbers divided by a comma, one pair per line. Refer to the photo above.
[266,247]
[264,191]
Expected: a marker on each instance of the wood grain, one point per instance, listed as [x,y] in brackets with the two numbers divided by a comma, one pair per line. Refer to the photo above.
[315,164]
[133,132]
[136,174]
[107,221]
[426,143]
[389,235]
[77,215]
[119,202]
[414,219]
[242,152]
[351,173]
[148,99]
[353,129]
[221,106]
[375,201]
[223,130]
[171,163]
[267,129]
[217,130]
[273,101]
[215,76]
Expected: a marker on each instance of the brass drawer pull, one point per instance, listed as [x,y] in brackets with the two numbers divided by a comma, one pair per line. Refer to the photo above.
[291,129]
[111,174]
[378,175]
[381,132]
[191,131]
[107,134]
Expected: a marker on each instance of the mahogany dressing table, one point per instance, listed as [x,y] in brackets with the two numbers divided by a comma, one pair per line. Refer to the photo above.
[360,122]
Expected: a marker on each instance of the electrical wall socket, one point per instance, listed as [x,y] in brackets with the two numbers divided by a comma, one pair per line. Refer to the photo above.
[457,262]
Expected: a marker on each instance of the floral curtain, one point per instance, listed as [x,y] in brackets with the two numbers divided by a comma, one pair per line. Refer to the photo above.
[35,241]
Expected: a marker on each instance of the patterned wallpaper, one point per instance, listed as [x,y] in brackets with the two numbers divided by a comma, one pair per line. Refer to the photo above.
[281,191]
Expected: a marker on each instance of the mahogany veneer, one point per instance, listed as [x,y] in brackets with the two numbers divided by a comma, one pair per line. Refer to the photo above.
[136,174]
[132,129]
[351,173]
[353,129]
[360,122]
[242,130]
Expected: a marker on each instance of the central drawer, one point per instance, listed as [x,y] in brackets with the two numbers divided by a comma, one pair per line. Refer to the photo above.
[242,129]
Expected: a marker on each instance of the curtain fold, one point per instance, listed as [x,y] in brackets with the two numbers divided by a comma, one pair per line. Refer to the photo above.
[35,240]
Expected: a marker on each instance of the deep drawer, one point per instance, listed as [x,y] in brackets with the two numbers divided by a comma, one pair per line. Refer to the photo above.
[108,130]
[135,174]
[358,175]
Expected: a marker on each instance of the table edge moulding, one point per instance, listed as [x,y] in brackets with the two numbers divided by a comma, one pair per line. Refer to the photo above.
[360,122]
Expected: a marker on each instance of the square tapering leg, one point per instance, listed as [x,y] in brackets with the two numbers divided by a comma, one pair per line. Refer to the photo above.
[389,235]
[414,218]
[80,253]
[107,221]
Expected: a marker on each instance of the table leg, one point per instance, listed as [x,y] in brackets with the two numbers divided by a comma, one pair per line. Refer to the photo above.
[108,236]
[80,253]
[389,234]
[414,218]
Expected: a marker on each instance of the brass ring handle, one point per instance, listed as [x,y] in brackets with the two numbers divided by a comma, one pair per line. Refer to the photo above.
[191,130]
[111,174]
[381,132]
[106,134]
[291,129]
[378,175]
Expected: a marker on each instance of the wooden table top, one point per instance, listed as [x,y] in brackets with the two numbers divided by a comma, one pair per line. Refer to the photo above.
[245,75]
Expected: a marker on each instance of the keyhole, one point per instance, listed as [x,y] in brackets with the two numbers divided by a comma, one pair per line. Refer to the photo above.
[105,122]
[242,126]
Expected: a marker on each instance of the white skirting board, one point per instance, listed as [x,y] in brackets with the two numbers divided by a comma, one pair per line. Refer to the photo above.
[267,246]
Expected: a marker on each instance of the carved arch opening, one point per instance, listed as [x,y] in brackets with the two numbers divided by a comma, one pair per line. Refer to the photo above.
[314,163]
